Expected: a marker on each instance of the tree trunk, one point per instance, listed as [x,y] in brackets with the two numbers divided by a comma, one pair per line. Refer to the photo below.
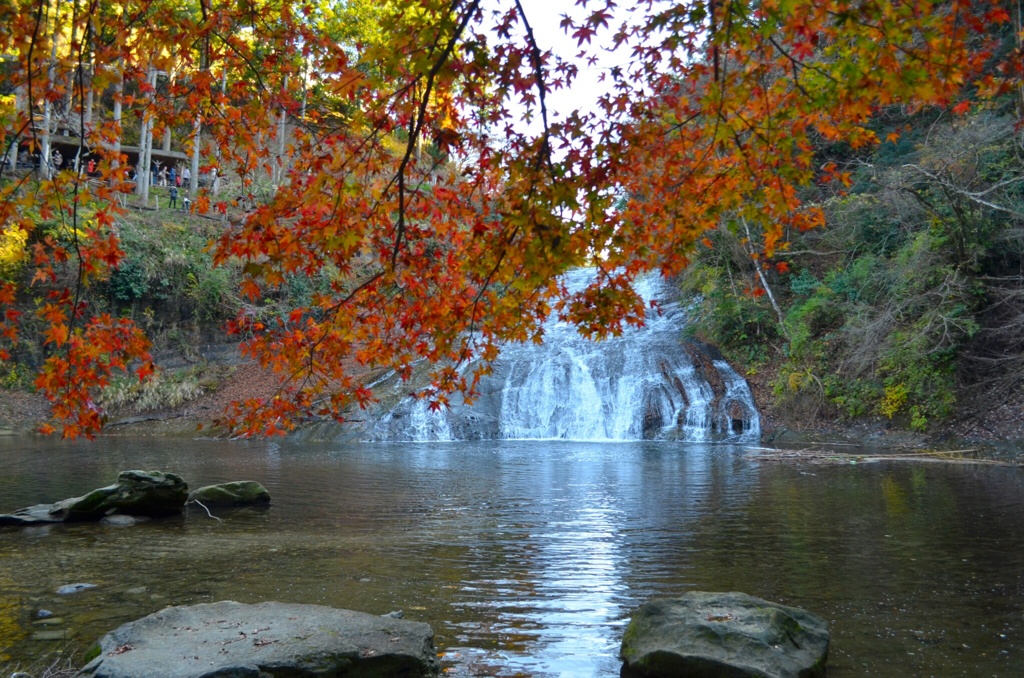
[193,181]
[118,96]
[215,174]
[146,145]
[764,284]
[45,168]
[282,130]
[21,108]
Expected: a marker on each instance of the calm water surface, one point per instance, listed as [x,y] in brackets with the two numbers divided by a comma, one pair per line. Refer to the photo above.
[528,557]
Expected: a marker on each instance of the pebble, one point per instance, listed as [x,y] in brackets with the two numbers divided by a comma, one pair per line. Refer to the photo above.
[74,588]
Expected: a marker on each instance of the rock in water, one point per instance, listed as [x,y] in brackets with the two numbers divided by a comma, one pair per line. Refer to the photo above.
[31,515]
[120,520]
[238,493]
[267,639]
[724,635]
[136,493]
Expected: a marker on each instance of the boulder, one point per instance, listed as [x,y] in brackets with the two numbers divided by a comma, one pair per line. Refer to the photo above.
[238,493]
[136,493]
[267,639]
[724,635]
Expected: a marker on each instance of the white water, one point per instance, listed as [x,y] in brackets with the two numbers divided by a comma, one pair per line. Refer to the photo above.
[642,384]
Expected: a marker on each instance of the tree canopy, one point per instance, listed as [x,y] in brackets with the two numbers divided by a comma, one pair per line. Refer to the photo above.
[395,139]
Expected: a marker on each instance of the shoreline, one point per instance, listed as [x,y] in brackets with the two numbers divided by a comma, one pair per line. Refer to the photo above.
[997,434]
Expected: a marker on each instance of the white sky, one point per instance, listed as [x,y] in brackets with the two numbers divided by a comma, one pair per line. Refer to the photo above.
[545,17]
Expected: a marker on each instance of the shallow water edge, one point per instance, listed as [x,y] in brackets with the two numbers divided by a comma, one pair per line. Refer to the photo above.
[527,558]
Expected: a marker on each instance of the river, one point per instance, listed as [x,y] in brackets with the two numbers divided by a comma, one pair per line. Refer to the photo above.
[527,557]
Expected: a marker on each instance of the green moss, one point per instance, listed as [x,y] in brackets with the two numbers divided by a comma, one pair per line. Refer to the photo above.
[93,652]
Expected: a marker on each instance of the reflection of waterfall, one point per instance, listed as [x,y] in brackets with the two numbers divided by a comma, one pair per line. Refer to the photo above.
[643,384]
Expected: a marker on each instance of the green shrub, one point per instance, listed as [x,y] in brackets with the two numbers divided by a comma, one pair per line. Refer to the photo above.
[128,282]
[16,376]
[804,283]
[741,325]
[852,397]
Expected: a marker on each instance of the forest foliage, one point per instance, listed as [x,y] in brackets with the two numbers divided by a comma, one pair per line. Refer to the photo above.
[401,177]
[910,304]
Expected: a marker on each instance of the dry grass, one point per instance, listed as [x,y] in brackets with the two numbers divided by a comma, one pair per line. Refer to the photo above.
[58,664]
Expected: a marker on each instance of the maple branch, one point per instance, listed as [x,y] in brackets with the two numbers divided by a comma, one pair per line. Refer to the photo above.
[400,226]
[255,72]
[308,371]
[28,68]
[802,64]
[416,126]
[682,123]
[78,169]
[536,60]
[483,288]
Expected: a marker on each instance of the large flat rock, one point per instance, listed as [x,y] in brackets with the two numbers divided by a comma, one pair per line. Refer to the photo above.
[229,639]
[724,635]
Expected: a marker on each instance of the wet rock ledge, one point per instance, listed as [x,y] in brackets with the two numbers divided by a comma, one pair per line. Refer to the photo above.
[229,639]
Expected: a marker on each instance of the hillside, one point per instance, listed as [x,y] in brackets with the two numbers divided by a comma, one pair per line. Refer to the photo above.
[906,311]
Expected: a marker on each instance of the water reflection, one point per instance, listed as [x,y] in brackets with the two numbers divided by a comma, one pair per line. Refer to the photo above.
[563,573]
[527,558]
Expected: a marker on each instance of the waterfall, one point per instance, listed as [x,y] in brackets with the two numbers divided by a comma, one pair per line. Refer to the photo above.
[646,383]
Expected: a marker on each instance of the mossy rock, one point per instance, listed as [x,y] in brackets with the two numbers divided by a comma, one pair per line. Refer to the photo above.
[238,493]
[136,493]
[724,635]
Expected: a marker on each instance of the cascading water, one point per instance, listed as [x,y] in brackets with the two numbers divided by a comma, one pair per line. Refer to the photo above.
[646,383]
